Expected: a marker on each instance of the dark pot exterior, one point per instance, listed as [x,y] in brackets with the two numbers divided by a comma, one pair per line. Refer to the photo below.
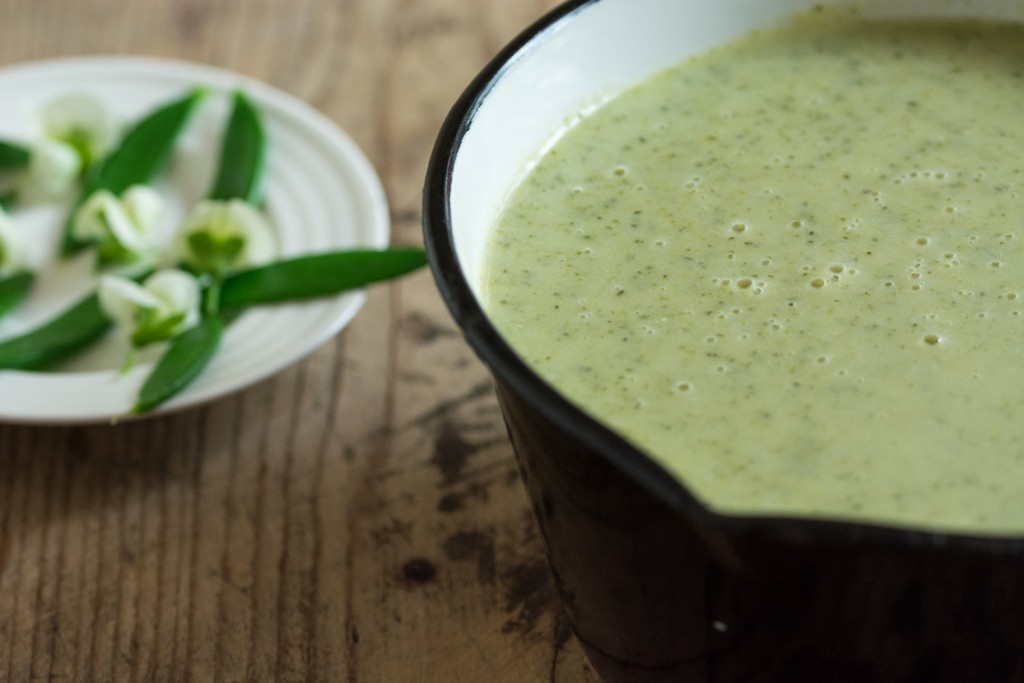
[656,594]
[659,588]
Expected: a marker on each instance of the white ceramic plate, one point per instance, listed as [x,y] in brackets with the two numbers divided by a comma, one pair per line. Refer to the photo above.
[321,193]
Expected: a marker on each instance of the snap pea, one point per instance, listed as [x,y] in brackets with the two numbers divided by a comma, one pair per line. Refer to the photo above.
[144,150]
[13,290]
[243,155]
[61,337]
[303,277]
[316,275]
[184,359]
[13,156]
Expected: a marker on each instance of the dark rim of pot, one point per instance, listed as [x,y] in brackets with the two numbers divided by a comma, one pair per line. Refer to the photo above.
[512,371]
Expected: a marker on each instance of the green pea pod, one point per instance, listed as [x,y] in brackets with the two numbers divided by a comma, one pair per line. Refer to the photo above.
[299,278]
[143,152]
[243,155]
[184,359]
[316,275]
[8,199]
[13,156]
[13,290]
[56,340]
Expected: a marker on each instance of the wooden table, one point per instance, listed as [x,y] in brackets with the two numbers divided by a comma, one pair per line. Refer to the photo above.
[358,516]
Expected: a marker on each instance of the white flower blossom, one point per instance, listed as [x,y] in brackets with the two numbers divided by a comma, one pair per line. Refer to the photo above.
[123,228]
[13,251]
[83,122]
[75,131]
[53,169]
[221,236]
[164,306]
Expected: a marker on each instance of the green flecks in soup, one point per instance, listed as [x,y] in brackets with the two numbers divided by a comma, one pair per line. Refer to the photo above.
[792,270]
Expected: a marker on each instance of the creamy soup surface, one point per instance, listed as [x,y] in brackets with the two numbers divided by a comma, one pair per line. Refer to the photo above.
[792,270]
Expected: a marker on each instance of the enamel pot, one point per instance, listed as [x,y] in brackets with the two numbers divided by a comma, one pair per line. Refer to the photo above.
[658,587]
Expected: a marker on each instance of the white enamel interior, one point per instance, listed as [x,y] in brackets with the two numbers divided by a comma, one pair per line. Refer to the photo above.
[593,54]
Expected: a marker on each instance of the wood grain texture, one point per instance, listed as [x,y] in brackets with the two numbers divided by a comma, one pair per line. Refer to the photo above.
[357,517]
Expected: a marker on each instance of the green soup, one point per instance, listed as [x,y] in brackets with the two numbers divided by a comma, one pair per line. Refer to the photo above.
[791,271]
